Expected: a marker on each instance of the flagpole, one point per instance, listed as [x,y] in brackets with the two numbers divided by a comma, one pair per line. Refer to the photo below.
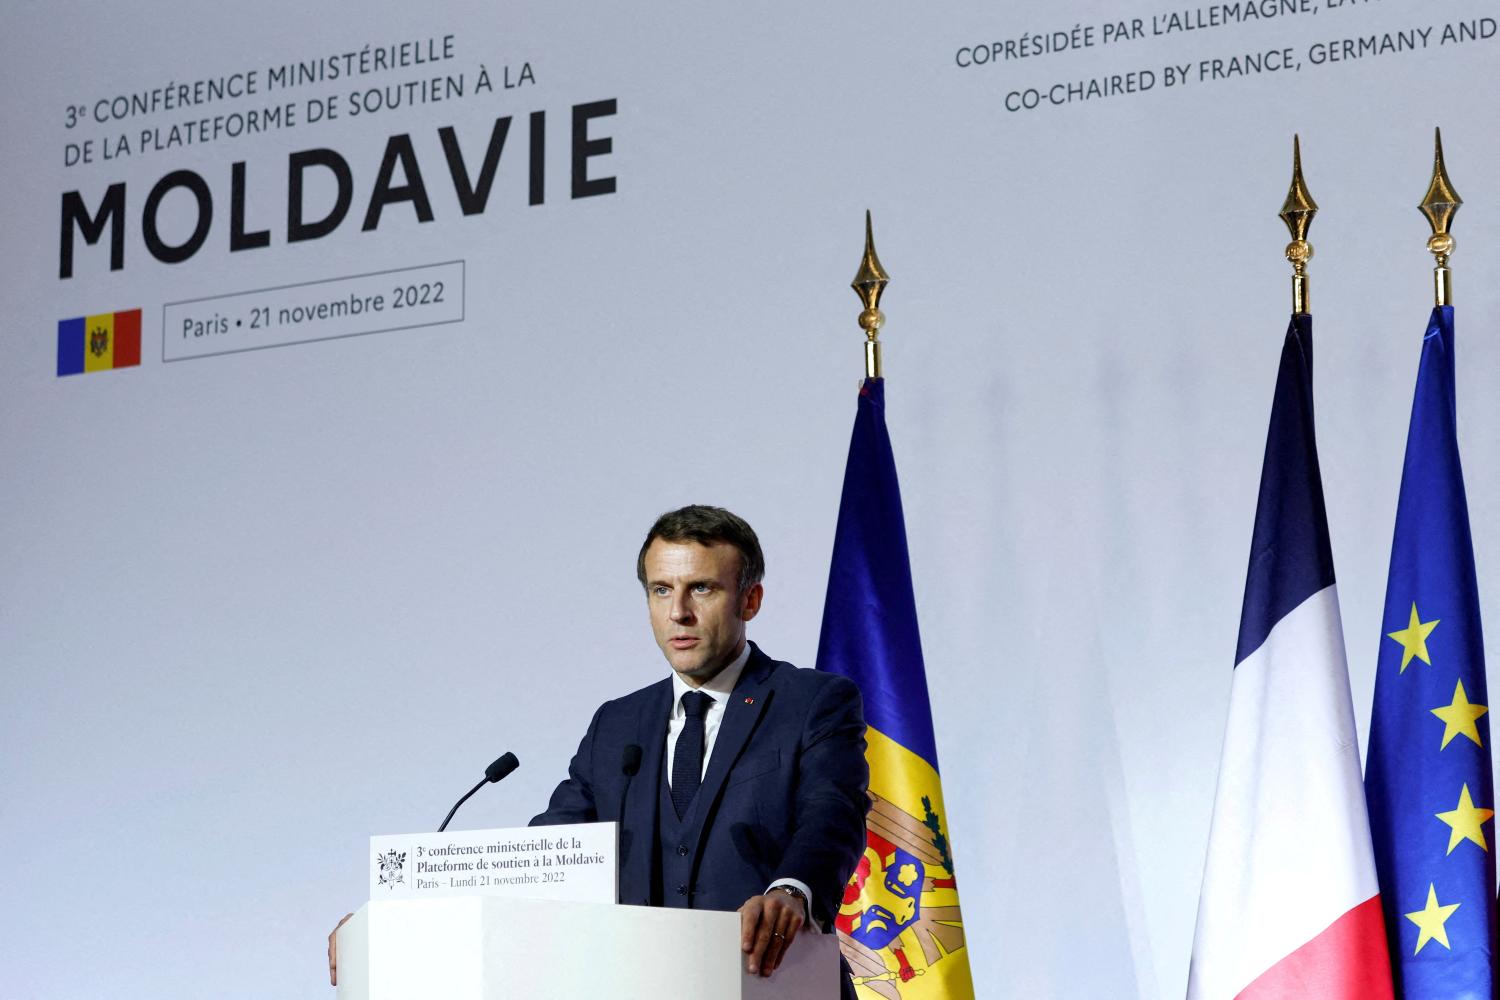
[1290,735]
[1439,902]
[899,924]
[1297,212]
[869,284]
[1440,205]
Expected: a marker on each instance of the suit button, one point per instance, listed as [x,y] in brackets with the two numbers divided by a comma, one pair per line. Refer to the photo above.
[682,850]
[682,890]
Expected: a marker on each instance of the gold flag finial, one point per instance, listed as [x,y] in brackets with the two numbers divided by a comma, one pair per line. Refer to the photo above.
[1440,206]
[1297,212]
[869,284]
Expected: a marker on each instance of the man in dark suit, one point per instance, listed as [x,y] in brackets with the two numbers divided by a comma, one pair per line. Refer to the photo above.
[738,781]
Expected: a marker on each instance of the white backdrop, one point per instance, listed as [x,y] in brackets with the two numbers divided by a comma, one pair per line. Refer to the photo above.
[257,606]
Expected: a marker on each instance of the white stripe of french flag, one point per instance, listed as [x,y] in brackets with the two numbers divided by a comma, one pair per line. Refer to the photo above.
[1290,906]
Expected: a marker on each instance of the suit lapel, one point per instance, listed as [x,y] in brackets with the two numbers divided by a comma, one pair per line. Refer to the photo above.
[749,699]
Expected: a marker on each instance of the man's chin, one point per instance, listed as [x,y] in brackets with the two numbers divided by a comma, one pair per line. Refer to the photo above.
[695,670]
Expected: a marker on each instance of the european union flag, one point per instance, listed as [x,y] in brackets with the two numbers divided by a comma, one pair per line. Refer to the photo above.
[1428,779]
[899,923]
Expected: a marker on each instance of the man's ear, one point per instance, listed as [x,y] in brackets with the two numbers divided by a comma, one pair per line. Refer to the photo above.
[750,602]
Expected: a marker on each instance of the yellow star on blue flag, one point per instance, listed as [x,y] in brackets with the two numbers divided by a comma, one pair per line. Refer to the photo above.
[1413,638]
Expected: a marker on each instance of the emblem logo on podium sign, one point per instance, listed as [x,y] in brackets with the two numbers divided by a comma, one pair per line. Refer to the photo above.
[392,868]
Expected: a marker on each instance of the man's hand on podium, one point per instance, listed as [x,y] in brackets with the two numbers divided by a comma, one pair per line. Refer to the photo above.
[767,925]
[333,951]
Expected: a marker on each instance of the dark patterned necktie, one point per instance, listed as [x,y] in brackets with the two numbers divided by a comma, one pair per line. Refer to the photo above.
[687,760]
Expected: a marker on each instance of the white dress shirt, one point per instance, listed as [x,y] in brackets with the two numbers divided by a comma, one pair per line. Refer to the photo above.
[719,688]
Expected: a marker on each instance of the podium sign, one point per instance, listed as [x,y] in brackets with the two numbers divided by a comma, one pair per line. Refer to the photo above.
[576,863]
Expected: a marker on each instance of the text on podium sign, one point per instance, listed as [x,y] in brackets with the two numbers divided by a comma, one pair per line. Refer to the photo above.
[578,862]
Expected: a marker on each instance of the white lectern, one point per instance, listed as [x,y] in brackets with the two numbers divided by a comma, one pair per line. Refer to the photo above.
[483,948]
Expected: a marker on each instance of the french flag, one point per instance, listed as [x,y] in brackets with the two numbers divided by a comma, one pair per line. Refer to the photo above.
[1290,905]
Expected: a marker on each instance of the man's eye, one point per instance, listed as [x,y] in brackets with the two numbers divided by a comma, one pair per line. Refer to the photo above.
[660,591]
[701,588]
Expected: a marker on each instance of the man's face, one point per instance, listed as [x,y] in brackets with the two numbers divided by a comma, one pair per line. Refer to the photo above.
[697,611]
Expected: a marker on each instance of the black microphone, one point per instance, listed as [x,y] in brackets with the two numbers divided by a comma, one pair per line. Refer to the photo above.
[503,765]
[630,765]
[630,760]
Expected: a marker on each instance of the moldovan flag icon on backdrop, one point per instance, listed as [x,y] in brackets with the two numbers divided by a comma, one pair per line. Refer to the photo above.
[1290,909]
[99,343]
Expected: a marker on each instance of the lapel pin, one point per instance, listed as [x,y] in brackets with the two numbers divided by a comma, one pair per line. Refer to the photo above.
[749,701]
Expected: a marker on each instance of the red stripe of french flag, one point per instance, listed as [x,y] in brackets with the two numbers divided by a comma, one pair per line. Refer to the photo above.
[1347,960]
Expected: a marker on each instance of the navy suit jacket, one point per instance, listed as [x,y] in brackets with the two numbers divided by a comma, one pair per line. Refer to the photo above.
[785,789]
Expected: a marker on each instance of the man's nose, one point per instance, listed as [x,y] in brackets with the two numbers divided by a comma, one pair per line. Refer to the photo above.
[681,611]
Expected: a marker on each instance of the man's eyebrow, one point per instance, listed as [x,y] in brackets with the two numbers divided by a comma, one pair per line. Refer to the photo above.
[706,581]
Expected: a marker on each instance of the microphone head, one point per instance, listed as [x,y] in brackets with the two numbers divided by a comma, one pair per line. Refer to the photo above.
[630,760]
[503,765]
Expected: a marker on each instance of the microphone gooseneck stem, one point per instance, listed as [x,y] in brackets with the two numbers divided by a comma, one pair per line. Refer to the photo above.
[482,783]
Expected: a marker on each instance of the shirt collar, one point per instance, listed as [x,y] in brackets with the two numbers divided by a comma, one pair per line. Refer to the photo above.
[719,688]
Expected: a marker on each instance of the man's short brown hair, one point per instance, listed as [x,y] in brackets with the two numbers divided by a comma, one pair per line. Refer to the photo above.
[707,526]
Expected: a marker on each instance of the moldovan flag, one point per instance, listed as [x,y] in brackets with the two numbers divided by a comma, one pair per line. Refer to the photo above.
[899,924]
[1290,907]
[99,343]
